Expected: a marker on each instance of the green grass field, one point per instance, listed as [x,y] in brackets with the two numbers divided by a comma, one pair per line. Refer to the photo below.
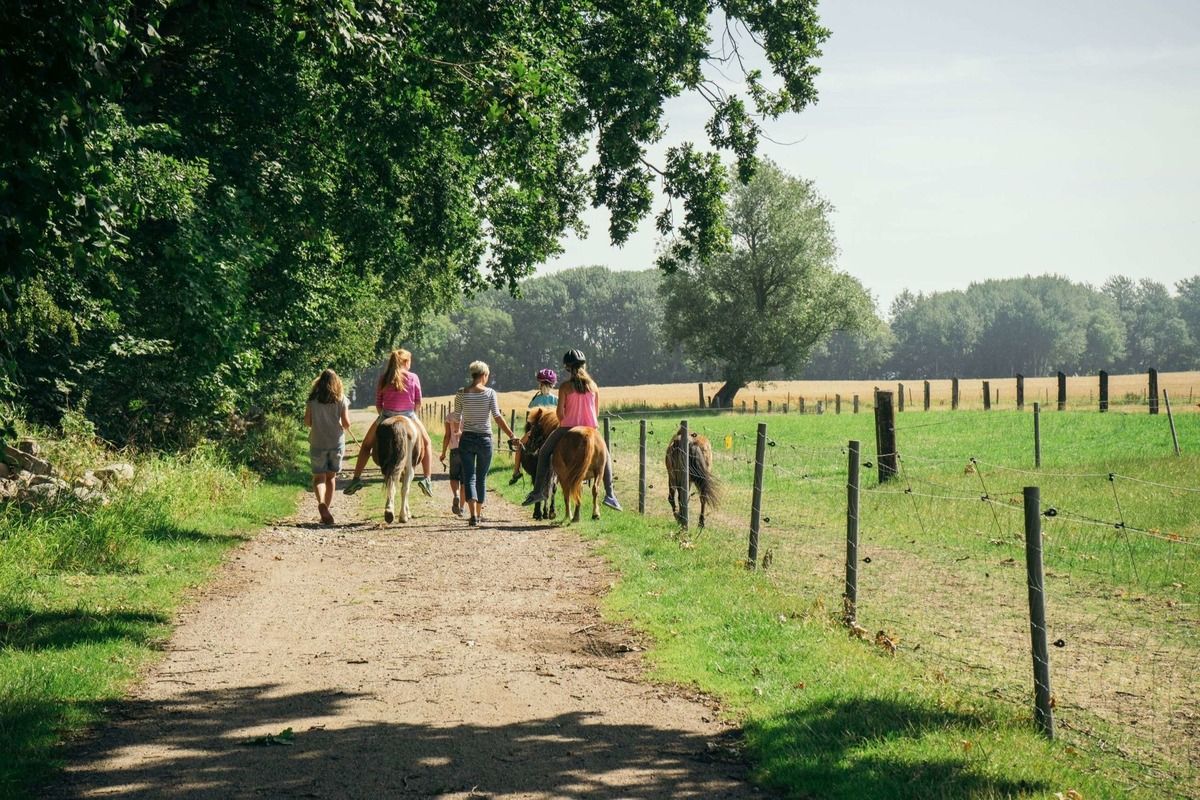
[942,575]
[87,594]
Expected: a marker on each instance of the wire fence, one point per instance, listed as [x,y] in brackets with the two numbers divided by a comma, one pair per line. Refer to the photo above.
[942,580]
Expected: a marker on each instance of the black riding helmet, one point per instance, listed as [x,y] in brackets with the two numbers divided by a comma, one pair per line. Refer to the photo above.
[574,358]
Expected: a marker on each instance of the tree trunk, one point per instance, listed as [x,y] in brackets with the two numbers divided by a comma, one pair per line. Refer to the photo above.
[724,397]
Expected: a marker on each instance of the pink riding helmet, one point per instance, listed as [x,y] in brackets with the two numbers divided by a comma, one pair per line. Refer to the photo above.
[547,376]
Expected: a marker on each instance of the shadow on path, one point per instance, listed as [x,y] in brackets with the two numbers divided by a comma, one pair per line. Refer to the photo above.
[201,747]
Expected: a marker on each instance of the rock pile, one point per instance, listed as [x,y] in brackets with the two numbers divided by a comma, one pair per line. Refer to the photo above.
[27,478]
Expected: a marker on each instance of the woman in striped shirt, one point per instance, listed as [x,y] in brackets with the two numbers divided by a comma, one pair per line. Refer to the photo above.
[478,406]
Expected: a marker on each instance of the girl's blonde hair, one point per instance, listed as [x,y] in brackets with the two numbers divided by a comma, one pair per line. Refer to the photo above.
[396,372]
[327,388]
[477,369]
[581,381]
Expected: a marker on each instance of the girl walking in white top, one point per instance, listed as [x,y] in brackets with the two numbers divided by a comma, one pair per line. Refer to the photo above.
[478,406]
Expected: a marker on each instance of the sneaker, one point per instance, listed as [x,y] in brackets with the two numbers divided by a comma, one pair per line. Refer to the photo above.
[612,503]
[514,479]
[532,498]
[456,507]
[353,486]
[473,522]
[425,486]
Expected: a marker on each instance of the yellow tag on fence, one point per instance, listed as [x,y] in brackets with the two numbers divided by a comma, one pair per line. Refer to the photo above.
[729,442]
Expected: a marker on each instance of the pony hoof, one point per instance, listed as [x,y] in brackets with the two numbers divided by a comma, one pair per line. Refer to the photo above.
[595,516]
[388,517]
[537,515]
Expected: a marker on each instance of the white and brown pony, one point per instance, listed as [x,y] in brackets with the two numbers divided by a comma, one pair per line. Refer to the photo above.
[399,447]
[540,423]
[579,455]
[700,474]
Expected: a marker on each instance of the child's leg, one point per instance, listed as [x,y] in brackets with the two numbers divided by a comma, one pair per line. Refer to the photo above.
[364,449]
[330,480]
[427,457]
[318,483]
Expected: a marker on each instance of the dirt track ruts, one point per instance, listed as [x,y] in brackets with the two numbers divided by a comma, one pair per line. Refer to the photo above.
[422,660]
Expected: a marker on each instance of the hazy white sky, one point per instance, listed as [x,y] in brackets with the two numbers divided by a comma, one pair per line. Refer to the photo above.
[961,141]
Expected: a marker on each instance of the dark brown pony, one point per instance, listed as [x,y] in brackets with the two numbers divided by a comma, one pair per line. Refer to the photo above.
[579,455]
[539,424]
[700,474]
[399,447]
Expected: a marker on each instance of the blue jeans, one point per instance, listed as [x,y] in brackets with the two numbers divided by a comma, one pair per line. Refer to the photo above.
[475,450]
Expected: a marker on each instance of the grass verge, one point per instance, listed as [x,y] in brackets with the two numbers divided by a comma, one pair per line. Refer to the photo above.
[87,594]
[825,715]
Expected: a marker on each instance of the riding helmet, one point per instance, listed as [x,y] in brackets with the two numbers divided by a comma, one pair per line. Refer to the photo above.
[547,376]
[574,358]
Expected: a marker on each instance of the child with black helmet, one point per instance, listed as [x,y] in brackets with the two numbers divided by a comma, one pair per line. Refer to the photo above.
[578,405]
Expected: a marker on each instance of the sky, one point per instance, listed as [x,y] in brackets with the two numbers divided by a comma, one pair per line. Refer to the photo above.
[961,141]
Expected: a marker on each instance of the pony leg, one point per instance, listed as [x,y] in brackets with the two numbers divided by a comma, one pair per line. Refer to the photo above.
[596,499]
[390,506]
[671,496]
[405,513]
[703,503]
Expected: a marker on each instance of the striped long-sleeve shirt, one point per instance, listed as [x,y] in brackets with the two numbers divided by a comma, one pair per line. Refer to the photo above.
[477,409]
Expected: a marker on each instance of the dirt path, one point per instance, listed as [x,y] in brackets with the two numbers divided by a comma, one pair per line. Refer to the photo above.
[427,660]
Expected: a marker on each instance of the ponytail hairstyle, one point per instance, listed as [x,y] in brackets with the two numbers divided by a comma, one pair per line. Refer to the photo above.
[396,372]
[581,381]
[327,388]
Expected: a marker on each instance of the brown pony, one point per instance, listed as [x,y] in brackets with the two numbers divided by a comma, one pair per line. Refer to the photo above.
[700,473]
[399,447]
[579,455]
[539,424]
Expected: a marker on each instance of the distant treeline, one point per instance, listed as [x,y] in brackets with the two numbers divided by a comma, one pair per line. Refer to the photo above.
[1031,325]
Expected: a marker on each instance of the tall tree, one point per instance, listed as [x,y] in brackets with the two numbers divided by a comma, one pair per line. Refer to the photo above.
[204,201]
[764,305]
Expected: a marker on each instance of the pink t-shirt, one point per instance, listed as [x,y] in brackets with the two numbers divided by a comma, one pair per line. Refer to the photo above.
[392,399]
[579,408]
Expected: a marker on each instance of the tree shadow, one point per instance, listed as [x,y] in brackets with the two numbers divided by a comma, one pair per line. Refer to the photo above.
[210,744]
[23,629]
[868,747]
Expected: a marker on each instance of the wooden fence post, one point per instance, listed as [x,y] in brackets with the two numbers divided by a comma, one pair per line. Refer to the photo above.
[760,456]
[1103,391]
[899,396]
[926,395]
[1171,422]
[954,394]
[756,406]
[1020,392]
[837,404]
[1043,711]
[801,405]
[1152,393]
[987,396]
[700,387]
[850,597]
[1062,391]
[1037,435]
[885,436]
[769,404]
[855,404]
[642,466]
[686,489]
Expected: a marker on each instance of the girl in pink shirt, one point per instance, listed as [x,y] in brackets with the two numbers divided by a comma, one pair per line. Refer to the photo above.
[398,393]
[578,402]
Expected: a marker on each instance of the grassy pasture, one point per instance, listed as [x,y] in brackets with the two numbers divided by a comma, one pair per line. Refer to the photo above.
[949,714]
